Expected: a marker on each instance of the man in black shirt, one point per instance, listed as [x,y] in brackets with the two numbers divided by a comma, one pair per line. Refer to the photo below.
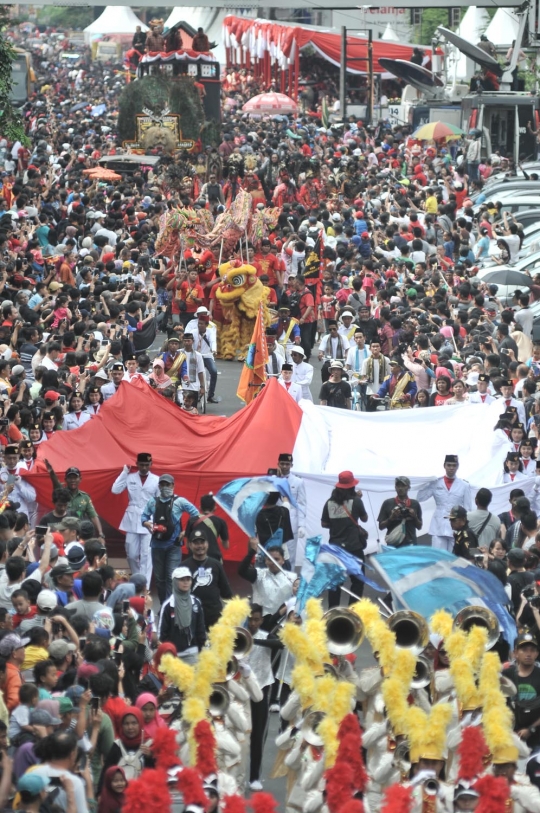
[525,676]
[464,538]
[210,584]
[335,392]
[401,510]
[518,578]
[212,526]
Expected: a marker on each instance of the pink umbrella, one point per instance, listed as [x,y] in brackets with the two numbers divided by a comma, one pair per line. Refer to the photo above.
[270,103]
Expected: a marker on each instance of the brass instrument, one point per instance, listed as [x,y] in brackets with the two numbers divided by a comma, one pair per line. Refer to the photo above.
[430,789]
[344,631]
[232,668]
[475,616]
[507,687]
[411,630]
[309,727]
[219,701]
[423,673]
[243,643]
[330,669]
[402,760]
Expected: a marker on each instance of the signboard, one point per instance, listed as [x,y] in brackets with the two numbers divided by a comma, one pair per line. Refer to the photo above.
[158,132]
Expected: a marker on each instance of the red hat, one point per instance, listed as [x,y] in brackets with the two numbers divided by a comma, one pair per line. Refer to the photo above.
[358,215]
[137,602]
[365,234]
[58,540]
[108,256]
[51,395]
[346,479]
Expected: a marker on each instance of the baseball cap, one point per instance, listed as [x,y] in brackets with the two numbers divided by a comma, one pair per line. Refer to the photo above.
[181,573]
[525,638]
[404,481]
[60,570]
[47,600]
[68,523]
[72,470]
[457,512]
[75,555]
[167,478]
[101,374]
[516,556]
[66,705]
[10,643]
[43,717]
[51,395]
[33,783]
[59,649]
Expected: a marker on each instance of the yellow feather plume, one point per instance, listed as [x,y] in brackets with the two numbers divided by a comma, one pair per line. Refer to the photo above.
[441,622]
[180,673]
[303,681]
[496,716]
[328,730]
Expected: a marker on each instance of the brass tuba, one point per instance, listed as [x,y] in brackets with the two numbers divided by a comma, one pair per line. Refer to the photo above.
[219,700]
[423,673]
[344,631]
[411,630]
[475,616]
[243,643]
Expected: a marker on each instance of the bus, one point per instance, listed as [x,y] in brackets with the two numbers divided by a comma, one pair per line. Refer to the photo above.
[22,77]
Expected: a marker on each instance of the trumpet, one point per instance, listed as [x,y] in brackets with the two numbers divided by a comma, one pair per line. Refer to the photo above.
[232,668]
[475,616]
[243,643]
[344,631]
[219,700]
[411,630]
[423,673]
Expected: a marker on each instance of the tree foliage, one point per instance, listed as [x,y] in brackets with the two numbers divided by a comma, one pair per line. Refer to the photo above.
[157,92]
[11,124]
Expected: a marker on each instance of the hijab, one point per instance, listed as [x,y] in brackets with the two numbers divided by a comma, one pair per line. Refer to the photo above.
[166,648]
[150,728]
[110,801]
[136,741]
[183,607]
[158,375]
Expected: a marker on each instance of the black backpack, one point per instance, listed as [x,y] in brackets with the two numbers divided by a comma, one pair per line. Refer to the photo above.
[163,516]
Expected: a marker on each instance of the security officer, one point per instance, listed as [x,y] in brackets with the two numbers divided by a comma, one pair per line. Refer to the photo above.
[464,538]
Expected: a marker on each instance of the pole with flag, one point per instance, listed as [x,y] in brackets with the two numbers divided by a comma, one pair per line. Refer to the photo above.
[253,376]
[325,115]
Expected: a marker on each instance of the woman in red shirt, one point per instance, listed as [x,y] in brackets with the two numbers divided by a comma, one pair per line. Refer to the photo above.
[443,392]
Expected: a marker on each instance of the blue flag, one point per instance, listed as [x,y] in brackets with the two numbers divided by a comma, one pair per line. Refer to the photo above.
[326,567]
[428,579]
[242,499]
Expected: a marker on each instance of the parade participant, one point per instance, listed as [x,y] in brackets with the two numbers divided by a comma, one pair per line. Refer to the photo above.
[340,515]
[194,378]
[374,371]
[276,354]
[272,586]
[464,537]
[507,397]
[77,414]
[523,796]
[18,489]
[174,358]
[400,386]
[527,457]
[298,513]
[210,584]
[400,516]
[285,379]
[302,372]
[205,343]
[358,352]
[447,491]
[335,392]
[80,505]
[141,486]
[259,659]
[287,330]
[162,517]
[182,617]
[117,374]
[513,468]
[334,347]
[213,527]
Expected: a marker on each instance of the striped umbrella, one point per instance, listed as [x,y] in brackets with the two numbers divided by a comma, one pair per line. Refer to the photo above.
[437,131]
[266,103]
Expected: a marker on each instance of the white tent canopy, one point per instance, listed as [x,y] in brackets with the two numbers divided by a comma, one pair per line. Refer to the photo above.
[114,20]
[473,24]
[390,35]
[503,28]
[209,19]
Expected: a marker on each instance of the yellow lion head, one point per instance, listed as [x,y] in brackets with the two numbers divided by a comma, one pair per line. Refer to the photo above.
[240,286]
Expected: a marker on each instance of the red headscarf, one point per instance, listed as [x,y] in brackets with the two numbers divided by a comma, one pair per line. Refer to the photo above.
[110,801]
[163,649]
[133,742]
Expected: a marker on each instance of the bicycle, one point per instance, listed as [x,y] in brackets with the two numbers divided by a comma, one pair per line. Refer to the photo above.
[358,390]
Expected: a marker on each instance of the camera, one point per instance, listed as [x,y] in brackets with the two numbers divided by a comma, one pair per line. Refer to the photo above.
[535,602]
[528,592]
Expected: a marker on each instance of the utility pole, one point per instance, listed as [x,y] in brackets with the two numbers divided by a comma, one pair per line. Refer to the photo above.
[370,74]
[343,74]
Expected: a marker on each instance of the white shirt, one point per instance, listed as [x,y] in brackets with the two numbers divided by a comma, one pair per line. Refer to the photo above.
[74,420]
[480,398]
[139,494]
[373,386]
[271,590]
[445,498]
[205,343]
[48,363]
[260,660]
[356,357]
[199,363]
[108,390]
[303,376]
[294,390]
[23,492]
[330,346]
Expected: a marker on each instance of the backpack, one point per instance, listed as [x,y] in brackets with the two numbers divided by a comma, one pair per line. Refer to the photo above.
[163,516]
[131,761]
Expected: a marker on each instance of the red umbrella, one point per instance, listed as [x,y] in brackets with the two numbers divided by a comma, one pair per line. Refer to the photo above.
[270,103]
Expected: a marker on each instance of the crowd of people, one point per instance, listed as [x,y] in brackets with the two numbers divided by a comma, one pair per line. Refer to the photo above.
[371,266]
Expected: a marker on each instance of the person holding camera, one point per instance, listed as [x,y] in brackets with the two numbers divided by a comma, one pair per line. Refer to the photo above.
[528,614]
[400,516]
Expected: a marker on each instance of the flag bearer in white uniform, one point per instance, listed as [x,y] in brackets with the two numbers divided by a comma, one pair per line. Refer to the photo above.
[298,515]
[447,491]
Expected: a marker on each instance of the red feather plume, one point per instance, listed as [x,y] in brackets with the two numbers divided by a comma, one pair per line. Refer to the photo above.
[472,751]
[165,748]
[352,806]
[494,792]
[149,790]
[350,749]
[191,785]
[234,804]
[206,748]
[263,803]
[349,725]
[397,799]
[339,785]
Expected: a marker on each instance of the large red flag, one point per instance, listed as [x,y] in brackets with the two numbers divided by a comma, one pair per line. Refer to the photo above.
[253,374]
